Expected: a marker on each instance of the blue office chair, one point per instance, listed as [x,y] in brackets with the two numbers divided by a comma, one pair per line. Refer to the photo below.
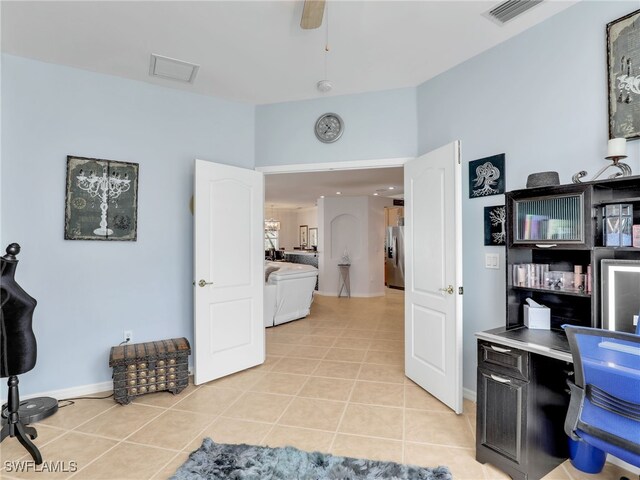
[604,412]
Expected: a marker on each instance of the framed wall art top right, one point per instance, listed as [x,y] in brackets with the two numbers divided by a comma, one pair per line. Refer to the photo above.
[623,66]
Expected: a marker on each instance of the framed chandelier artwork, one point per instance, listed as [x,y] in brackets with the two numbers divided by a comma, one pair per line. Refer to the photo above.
[101,201]
[623,60]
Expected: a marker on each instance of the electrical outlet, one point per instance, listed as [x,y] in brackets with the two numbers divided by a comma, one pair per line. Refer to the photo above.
[128,336]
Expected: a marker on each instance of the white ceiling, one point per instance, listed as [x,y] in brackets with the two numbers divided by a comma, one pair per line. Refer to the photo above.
[255,51]
[301,190]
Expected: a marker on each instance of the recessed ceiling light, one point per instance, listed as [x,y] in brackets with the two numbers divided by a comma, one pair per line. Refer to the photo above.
[321,196]
[391,188]
[338,193]
[375,194]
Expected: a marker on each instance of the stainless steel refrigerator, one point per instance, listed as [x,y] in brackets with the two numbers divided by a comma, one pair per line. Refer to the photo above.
[394,257]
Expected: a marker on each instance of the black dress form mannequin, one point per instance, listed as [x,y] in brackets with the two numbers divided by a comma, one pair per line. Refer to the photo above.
[18,349]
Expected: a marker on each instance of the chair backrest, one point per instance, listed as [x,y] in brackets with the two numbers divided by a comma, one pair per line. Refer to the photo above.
[607,369]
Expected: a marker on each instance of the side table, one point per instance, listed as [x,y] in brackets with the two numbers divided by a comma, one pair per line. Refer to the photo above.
[343,282]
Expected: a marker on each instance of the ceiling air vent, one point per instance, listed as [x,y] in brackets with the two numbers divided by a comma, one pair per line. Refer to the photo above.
[172,69]
[509,10]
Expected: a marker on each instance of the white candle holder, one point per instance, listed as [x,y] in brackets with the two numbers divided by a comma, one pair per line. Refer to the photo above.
[616,151]
[105,187]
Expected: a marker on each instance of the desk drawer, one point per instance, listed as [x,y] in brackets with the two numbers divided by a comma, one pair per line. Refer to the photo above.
[503,359]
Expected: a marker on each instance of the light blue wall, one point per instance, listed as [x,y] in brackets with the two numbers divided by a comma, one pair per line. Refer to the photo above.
[377,125]
[541,99]
[88,292]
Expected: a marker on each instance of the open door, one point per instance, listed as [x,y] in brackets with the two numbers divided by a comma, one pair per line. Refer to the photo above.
[433,266]
[229,270]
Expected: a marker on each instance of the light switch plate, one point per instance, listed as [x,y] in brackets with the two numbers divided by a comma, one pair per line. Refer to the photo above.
[635,320]
[491,260]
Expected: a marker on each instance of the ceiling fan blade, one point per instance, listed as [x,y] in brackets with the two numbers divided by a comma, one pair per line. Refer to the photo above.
[312,14]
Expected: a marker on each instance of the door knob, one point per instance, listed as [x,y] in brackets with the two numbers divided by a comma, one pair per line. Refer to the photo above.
[202,283]
[449,289]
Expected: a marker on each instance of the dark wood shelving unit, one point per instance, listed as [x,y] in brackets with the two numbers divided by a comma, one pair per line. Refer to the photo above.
[522,399]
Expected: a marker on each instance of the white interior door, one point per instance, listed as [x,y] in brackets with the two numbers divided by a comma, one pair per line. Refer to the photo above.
[433,266]
[229,270]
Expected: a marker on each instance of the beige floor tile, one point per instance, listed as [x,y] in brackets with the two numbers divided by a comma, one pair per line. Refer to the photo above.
[12,449]
[345,355]
[164,399]
[173,429]
[316,340]
[119,422]
[609,472]
[369,448]
[370,420]
[299,366]
[469,407]
[386,335]
[307,351]
[387,345]
[282,383]
[74,450]
[260,407]
[288,339]
[382,373]
[358,333]
[126,461]
[352,343]
[280,349]
[472,421]
[374,393]
[269,362]
[82,410]
[493,473]
[170,468]
[232,430]
[558,473]
[416,397]
[332,369]
[327,388]
[327,332]
[461,461]
[240,381]
[440,428]
[384,358]
[210,400]
[302,438]
[313,413]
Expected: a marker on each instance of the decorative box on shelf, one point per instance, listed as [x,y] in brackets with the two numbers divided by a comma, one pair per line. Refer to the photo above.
[149,367]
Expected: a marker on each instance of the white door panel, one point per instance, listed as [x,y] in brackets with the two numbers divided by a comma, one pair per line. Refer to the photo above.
[228,219]
[433,263]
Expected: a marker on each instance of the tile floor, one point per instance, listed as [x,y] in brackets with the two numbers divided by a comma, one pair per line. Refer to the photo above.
[332,382]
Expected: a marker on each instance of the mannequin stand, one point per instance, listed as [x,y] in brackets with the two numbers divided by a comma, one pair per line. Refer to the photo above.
[14,427]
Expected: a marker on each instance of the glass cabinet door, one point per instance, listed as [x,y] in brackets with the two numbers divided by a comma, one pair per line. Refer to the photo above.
[549,220]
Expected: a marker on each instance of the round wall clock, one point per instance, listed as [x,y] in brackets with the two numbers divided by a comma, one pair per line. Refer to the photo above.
[329,127]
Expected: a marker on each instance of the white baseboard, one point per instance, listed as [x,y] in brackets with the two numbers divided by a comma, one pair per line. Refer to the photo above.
[73,392]
[623,464]
[354,295]
[469,395]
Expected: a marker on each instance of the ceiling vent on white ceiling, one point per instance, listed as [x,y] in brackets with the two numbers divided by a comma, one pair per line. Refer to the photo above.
[172,69]
[509,10]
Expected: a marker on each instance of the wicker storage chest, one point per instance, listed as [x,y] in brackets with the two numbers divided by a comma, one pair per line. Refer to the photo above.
[149,367]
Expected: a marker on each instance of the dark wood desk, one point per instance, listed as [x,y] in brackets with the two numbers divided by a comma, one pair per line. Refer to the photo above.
[522,400]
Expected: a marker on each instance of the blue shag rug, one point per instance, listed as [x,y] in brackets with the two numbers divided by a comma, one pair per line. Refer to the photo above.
[214,461]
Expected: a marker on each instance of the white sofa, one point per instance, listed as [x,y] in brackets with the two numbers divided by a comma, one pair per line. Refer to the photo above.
[288,291]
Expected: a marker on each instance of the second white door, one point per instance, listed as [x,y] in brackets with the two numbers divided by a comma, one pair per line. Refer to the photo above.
[433,273]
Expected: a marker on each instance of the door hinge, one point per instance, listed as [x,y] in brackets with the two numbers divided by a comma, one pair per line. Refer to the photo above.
[460,290]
